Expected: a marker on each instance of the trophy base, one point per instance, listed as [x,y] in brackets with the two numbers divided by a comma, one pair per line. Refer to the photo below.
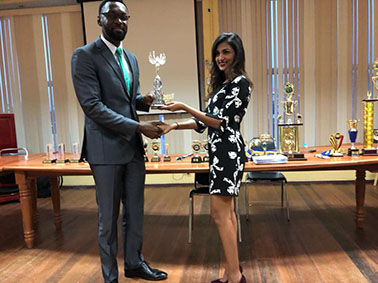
[62,161]
[157,105]
[295,156]
[155,158]
[49,161]
[167,158]
[337,154]
[145,158]
[74,160]
[196,159]
[369,151]
[354,152]
[206,158]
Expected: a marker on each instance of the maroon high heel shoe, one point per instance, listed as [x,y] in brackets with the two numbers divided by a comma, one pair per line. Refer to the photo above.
[220,281]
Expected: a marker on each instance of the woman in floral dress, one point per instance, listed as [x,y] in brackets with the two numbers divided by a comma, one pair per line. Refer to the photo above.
[230,92]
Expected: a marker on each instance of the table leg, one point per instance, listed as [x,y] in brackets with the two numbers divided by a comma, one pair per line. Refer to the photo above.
[55,195]
[26,208]
[33,187]
[360,198]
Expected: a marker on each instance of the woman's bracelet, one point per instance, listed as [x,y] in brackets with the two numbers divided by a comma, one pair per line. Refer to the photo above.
[177,125]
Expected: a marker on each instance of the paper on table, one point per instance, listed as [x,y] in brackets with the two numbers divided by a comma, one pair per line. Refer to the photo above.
[269,159]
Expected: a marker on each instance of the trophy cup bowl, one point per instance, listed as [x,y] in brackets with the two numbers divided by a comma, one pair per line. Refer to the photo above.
[196,147]
[155,146]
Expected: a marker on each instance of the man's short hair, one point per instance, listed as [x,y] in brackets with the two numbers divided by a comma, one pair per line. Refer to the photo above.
[102,4]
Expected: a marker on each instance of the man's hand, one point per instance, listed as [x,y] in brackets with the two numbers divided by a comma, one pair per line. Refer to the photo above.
[148,98]
[167,127]
[150,129]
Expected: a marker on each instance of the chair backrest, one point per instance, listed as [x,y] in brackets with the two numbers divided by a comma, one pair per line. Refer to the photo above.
[8,137]
[201,179]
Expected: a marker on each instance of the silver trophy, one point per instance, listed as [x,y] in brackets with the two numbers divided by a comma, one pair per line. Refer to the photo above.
[158,85]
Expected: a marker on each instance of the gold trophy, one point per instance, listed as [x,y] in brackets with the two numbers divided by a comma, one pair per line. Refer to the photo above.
[205,146]
[155,146]
[166,158]
[336,140]
[145,146]
[368,103]
[196,146]
[288,127]
[353,151]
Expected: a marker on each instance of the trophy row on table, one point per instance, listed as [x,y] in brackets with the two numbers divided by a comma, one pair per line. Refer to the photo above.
[197,146]
[59,156]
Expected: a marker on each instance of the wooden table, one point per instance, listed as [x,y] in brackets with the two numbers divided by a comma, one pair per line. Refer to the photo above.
[26,171]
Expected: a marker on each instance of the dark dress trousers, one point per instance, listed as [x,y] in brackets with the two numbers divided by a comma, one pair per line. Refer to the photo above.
[113,149]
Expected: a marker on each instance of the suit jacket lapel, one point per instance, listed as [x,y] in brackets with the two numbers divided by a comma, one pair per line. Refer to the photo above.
[109,57]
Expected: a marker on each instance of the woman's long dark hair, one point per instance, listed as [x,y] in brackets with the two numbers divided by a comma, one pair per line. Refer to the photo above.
[217,77]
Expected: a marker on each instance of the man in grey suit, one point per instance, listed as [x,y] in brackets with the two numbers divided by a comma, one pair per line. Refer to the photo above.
[106,81]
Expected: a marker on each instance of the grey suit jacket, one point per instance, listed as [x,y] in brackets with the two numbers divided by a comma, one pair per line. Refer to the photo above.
[111,120]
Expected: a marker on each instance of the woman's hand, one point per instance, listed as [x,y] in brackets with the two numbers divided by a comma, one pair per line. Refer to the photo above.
[166,128]
[174,106]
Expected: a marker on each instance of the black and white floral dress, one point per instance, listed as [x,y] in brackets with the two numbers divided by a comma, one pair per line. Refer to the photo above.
[226,145]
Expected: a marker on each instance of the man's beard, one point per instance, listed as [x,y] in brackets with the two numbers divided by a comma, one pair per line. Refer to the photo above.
[119,36]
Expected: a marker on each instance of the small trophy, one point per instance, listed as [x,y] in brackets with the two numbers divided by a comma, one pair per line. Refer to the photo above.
[264,140]
[75,153]
[288,126]
[167,158]
[353,151]
[49,154]
[155,146]
[205,146]
[336,140]
[145,146]
[196,146]
[62,153]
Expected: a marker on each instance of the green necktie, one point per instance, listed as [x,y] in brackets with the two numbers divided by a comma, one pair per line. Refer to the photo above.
[124,71]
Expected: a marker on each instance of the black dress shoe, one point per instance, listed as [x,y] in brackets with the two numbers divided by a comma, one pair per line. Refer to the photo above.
[144,271]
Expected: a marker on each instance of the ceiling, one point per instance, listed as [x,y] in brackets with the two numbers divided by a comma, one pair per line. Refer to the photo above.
[19,4]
